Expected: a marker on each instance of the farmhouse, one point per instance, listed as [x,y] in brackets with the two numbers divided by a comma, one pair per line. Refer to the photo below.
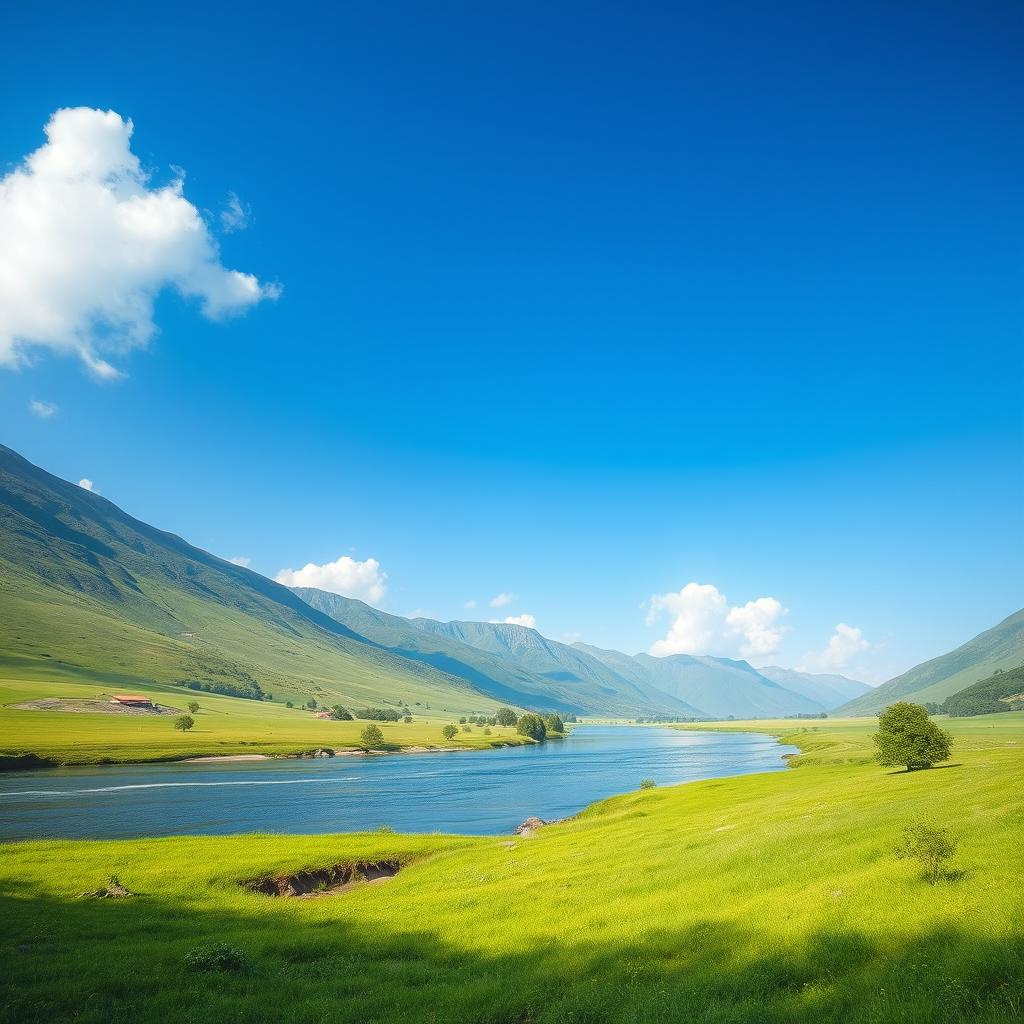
[324,714]
[131,700]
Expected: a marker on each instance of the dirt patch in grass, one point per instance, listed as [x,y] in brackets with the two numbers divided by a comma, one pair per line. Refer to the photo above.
[325,881]
[102,707]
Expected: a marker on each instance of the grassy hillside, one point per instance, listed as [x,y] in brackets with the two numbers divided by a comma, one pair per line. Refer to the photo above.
[1003,691]
[90,596]
[935,680]
[769,898]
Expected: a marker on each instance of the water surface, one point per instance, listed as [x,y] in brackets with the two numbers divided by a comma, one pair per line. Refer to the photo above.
[470,792]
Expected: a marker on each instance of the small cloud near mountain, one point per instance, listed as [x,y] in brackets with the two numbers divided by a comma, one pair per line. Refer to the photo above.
[243,560]
[501,600]
[702,622]
[345,577]
[526,619]
[843,646]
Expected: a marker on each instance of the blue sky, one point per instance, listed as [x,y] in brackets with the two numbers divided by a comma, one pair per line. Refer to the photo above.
[580,306]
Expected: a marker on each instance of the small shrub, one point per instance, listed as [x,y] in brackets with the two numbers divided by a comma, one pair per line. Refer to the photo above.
[407,719]
[218,956]
[487,731]
[184,722]
[647,783]
[467,728]
[193,706]
[929,845]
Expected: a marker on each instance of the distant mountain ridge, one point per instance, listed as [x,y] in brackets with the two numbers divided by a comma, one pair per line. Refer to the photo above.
[720,687]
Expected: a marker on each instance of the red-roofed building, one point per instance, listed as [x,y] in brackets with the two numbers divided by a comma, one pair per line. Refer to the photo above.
[131,700]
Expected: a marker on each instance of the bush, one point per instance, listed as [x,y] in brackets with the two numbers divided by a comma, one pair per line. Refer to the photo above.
[449,732]
[487,731]
[193,706]
[184,722]
[311,703]
[533,726]
[288,704]
[407,719]
[647,783]
[929,845]
[216,957]
[379,714]
[907,736]
[506,716]
[340,714]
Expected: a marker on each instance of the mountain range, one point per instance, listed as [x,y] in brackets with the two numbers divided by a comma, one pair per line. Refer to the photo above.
[87,591]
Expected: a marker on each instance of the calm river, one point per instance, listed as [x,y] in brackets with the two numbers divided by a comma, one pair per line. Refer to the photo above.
[472,792]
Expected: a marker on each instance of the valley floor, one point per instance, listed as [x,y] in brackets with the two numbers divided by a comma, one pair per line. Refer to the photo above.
[761,898]
[223,726]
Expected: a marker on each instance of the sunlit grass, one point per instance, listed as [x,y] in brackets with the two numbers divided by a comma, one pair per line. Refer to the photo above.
[772,897]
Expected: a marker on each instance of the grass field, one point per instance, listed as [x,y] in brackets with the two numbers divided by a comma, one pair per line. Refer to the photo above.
[223,725]
[771,897]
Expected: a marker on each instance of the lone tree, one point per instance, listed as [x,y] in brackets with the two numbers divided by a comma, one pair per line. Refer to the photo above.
[906,735]
[929,845]
[193,706]
[506,716]
[372,738]
[532,726]
[184,722]
[449,732]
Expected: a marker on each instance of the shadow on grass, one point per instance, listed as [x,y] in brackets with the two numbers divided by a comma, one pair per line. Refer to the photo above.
[932,768]
[123,960]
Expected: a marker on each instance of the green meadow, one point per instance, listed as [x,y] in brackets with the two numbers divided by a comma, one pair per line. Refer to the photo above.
[223,725]
[772,897]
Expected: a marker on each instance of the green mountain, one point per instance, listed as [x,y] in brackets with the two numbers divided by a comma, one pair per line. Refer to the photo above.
[1001,647]
[1003,691]
[88,592]
[823,688]
[565,669]
[493,669]
[720,687]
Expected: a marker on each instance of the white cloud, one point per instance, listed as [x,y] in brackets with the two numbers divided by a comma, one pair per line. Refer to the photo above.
[236,215]
[44,410]
[526,619]
[757,623]
[86,484]
[470,604]
[346,576]
[844,644]
[703,623]
[502,600]
[243,560]
[88,244]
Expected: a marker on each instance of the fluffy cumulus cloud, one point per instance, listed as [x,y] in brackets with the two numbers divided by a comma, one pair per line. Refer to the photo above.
[702,622]
[89,242]
[526,619]
[843,646]
[86,484]
[502,600]
[44,410]
[346,576]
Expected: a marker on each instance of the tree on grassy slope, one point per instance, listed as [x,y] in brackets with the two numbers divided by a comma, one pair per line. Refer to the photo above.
[449,732]
[907,736]
[184,722]
[506,716]
[372,738]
